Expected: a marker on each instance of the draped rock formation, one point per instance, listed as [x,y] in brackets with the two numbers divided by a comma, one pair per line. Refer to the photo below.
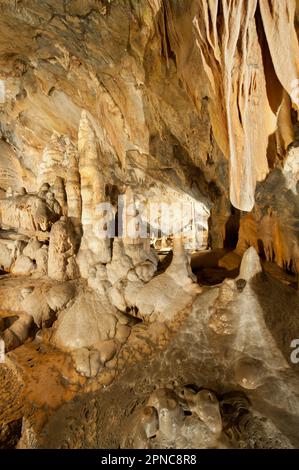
[149,248]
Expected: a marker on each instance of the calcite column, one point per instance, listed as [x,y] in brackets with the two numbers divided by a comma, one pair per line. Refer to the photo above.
[60,194]
[73,185]
[51,164]
[62,251]
[133,231]
[95,246]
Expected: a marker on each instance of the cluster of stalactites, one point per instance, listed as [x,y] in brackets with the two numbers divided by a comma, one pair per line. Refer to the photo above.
[251,79]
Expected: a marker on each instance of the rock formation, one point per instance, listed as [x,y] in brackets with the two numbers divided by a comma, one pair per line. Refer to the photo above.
[149,247]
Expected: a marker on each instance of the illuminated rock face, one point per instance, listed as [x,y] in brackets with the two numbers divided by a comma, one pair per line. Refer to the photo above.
[134,136]
[252,80]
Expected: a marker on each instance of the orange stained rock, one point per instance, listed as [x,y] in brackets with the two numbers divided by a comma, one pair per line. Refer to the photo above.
[47,373]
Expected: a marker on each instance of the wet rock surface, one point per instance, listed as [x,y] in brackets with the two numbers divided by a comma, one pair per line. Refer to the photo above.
[122,326]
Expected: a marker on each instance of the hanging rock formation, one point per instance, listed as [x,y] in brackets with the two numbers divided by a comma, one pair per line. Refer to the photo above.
[149,248]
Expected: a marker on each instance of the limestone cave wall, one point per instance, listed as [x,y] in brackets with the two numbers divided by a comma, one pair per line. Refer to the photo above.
[158,101]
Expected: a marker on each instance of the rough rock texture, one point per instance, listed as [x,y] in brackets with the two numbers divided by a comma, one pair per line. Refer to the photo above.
[253,383]
[149,250]
[243,58]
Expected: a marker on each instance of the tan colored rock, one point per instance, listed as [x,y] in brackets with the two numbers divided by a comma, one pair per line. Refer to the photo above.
[206,406]
[250,265]
[53,203]
[10,250]
[166,102]
[73,185]
[145,271]
[51,164]
[32,248]
[60,194]
[59,295]
[107,351]
[62,251]
[278,22]
[87,362]
[230,261]
[248,234]
[26,214]
[122,332]
[239,104]
[41,258]
[18,332]
[117,298]
[94,248]
[23,266]
[11,169]
[167,294]
[120,264]
[85,324]
[35,304]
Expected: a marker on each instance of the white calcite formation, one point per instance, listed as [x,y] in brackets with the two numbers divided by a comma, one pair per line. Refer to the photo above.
[91,329]
[237,313]
[164,423]
[149,238]
[165,295]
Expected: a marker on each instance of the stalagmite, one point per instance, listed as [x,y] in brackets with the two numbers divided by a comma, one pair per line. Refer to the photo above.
[62,251]
[73,186]
[95,245]
[149,235]
[166,295]
[60,194]
[52,161]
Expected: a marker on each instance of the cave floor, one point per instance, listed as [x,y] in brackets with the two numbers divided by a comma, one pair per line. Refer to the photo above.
[38,379]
